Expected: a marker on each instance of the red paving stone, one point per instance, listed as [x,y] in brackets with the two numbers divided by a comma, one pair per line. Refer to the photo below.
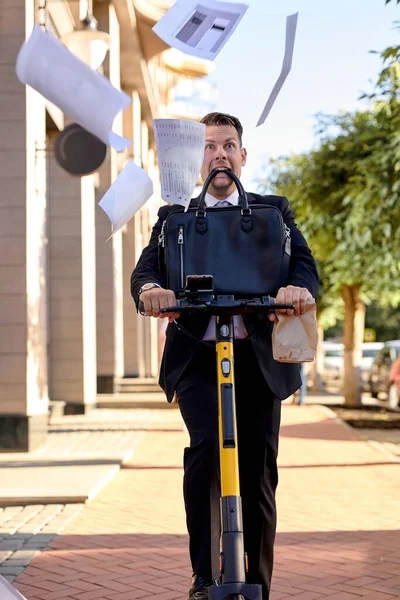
[338,537]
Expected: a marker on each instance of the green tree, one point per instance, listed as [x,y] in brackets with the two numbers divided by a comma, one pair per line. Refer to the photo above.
[385,320]
[346,196]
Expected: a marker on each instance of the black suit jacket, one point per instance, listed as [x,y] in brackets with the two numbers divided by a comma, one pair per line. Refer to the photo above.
[282,378]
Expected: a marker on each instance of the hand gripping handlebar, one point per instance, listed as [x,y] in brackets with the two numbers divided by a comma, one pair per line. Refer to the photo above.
[225,305]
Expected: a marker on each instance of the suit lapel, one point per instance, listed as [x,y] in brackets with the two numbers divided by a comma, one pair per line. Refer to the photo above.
[194,203]
[250,198]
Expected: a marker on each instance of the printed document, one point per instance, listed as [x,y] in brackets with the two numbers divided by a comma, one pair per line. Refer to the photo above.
[132,188]
[200,27]
[180,147]
[291,25]
[84,95]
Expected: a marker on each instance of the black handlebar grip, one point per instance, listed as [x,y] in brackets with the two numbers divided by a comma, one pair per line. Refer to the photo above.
[162,310]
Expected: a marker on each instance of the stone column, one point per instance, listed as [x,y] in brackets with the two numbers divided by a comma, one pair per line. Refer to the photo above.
[109,295]
[156,325]
[104,288]
[133,323]
[144,225]
[141,334]
[72,268]
[23,272]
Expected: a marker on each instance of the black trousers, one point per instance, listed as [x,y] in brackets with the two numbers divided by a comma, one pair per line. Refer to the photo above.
[258,422]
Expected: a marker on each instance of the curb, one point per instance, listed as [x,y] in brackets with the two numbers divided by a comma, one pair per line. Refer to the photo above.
[374,444]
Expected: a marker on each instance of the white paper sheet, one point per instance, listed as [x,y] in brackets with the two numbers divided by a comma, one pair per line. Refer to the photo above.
[200,27]
[180,147]
[132,188]
[84,95]
[8,592]
[291,25]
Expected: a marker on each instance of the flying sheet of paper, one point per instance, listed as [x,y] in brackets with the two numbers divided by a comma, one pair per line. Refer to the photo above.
[291,25]
[200,27]
[84,95]
[8,592]
[180,147]
[132,188]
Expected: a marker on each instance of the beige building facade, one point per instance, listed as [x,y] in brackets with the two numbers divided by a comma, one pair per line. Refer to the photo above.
[68,326]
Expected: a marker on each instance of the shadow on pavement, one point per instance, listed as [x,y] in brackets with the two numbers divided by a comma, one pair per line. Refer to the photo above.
[22,464]
[328,429]
[341,465]
[152,467]
[330,562]
[54,429]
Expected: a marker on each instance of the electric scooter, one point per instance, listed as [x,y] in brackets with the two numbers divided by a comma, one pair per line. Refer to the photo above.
[199,297]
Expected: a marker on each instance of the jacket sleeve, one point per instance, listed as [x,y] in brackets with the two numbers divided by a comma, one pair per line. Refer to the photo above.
[302,270]
[147,269]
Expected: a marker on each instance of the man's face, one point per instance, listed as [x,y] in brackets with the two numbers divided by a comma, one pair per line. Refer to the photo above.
[222,150]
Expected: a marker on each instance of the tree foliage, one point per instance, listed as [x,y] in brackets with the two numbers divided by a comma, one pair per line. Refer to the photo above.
[346,192]
[384,320]
[346,197]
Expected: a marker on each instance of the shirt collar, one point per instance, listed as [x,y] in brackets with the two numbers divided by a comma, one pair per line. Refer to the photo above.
[233,199]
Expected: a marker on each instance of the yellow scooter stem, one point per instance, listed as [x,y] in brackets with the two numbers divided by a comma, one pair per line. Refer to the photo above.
[233,561]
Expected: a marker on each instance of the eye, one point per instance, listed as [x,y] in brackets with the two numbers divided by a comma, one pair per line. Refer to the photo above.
[230,146]
[209,147]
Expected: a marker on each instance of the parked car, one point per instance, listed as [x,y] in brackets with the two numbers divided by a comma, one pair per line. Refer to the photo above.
[369,352]
[380,371]
[333,362]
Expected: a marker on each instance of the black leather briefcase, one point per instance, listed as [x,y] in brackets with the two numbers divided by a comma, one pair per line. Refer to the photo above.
[245,248]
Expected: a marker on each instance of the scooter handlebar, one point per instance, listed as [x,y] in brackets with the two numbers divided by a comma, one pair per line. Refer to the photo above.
[248,306]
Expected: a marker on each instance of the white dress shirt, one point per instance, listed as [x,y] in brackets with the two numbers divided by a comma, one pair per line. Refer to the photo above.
[232,199]
[239,328]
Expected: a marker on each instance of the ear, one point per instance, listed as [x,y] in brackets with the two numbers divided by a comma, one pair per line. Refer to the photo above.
[243,153]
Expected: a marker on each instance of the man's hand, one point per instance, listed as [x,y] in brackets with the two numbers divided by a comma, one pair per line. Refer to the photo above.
[292,295]
[158,298]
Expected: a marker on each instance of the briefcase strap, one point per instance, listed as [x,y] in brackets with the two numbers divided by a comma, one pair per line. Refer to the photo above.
[242,195]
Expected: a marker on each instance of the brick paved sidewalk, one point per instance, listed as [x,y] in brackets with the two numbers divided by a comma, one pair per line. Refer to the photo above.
[83,441]
[339,507]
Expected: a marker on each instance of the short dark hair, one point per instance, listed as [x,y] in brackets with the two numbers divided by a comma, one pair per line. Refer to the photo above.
[217,118]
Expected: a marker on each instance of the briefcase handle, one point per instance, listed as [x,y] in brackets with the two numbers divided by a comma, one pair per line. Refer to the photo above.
[242,196]
[246,224]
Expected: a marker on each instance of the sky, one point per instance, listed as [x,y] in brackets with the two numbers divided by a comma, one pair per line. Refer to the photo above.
[332,66]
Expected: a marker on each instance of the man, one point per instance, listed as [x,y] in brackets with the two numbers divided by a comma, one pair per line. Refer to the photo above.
[188,370]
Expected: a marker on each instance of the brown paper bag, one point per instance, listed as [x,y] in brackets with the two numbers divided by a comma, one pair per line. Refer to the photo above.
[295,338]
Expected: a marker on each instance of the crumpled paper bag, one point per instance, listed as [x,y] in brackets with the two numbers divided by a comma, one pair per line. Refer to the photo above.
[295,338]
